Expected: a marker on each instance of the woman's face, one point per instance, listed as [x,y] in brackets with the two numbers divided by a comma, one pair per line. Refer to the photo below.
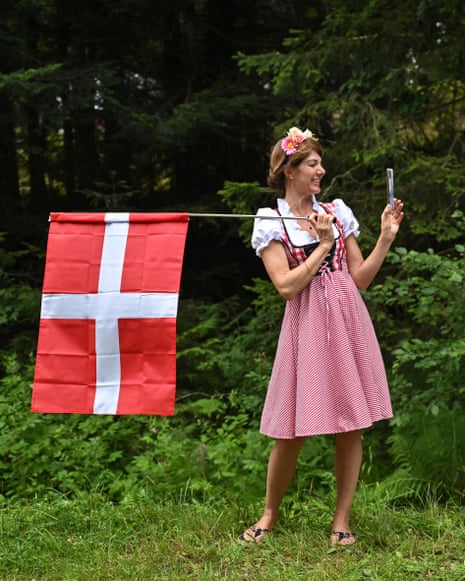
[308,174]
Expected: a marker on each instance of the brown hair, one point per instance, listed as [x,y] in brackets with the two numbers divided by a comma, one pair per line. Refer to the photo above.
[279,160]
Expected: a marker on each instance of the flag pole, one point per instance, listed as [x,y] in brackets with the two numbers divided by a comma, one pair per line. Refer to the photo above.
[209,215]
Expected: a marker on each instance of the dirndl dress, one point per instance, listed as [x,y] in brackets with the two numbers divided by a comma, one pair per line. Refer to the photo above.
[328,374]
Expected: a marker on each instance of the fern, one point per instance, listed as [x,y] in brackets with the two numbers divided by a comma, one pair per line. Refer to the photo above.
[429,452]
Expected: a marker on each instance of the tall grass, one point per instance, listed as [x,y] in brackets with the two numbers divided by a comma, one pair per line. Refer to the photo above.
[91,539]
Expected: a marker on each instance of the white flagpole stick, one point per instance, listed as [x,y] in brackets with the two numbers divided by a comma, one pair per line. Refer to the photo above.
[207,215]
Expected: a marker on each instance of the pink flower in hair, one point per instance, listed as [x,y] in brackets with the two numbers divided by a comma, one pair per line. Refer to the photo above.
[288,146]
[294,136]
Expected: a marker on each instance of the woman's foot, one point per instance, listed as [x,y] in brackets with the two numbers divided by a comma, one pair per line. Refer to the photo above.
[342,538]
[254,534]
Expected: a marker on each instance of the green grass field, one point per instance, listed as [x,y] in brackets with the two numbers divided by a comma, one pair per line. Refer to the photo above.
[90,539]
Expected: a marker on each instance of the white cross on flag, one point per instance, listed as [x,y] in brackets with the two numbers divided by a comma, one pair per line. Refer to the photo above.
[107,335]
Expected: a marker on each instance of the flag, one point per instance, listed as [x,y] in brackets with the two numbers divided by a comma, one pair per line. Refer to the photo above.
[107,333]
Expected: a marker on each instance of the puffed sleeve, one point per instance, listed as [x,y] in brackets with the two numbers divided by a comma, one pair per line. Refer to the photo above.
[346,217]
[264,231]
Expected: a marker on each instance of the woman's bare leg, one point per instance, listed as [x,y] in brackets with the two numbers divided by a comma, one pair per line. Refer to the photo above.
[348,461]
[281,468]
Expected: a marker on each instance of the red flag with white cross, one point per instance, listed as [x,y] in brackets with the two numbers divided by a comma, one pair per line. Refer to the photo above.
[107,334]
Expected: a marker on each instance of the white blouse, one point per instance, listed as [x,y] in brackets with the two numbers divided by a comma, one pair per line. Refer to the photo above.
[265,230]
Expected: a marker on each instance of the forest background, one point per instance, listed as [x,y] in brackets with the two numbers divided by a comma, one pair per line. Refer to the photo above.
[173,106]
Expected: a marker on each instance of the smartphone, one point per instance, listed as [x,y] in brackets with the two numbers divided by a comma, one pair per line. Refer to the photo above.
[390,186]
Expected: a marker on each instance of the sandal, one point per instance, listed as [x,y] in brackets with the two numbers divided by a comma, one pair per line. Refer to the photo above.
[342,538]
[254,534]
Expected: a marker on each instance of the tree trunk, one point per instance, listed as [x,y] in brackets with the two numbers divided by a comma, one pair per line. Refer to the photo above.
[9,187]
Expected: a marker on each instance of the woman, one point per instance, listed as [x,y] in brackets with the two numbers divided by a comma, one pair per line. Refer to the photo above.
[328,376]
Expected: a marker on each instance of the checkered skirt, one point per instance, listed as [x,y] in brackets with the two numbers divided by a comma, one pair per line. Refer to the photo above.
[328,375]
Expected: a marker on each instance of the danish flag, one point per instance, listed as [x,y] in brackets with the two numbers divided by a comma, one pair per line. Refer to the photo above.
[107,334]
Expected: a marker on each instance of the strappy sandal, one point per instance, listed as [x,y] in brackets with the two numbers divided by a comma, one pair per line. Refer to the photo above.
[254,534]
[342,538]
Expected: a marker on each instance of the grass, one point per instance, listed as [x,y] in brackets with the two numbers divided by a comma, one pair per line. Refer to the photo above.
[90,539]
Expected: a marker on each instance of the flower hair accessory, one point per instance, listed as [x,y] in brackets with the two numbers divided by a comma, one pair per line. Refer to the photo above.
[295,136]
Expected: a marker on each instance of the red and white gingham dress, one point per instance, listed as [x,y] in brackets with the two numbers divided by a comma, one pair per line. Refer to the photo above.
[328,375]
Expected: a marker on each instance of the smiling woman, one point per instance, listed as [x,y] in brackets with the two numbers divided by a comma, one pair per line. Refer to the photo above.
[289,152]
[328,375]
